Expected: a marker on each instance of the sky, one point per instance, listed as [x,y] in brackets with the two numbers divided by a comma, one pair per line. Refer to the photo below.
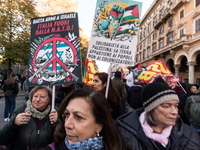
[86,10]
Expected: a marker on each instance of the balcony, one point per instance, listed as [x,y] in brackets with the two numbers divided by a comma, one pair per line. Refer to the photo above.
[177,4]
[167,14]
[182,42]
[158,22]
[163,16]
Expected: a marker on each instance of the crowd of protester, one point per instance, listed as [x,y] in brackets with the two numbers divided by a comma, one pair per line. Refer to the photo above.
[114,116]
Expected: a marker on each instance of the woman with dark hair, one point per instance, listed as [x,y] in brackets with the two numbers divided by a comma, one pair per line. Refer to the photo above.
[117,105]
[31,125]
[86,123]
[10,88]
[157,126]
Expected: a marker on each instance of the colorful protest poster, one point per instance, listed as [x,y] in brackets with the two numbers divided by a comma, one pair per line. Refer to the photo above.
[114,31]
[54,56]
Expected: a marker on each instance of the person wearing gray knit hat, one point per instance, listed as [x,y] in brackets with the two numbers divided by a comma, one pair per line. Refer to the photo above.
[157,125]
[155,94]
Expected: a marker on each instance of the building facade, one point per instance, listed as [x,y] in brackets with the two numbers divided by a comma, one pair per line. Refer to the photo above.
[170,31]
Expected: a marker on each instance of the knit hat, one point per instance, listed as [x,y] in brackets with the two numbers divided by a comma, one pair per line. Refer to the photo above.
[155,94]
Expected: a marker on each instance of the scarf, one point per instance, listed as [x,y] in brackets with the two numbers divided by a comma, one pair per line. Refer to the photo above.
[35,113]
[160,138]
[95,143]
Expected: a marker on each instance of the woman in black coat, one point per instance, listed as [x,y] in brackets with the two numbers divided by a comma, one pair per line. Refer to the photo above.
[86,124]
[117,105]
[158,127]
[31,125]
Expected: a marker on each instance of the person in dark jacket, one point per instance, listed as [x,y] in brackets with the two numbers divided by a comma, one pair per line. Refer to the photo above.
[134,95]
[119,85]
[10,88]
[62,91]
[31,125]
[157,126]
[182,95]
[190,100]
[86,124]
[117,105]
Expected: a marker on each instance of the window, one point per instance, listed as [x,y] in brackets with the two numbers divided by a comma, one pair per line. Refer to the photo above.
[154,47]
[161,43]
[137,58]
[141,46]
[140,37]
[169,38]
[162,12]
[140,56]
[170,23]
[154,36]
[149,28]
[161,30]
[137,49]
[149,40]
[144,54]
[197,2]
[181,32]
[154,21]
[144,44]
[144,33]
[154,11]
[161,3]
[181,14]
[148,52]
[197,25]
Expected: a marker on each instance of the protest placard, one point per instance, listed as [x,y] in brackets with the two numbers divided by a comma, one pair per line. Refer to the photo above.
[54,56]
[114,31]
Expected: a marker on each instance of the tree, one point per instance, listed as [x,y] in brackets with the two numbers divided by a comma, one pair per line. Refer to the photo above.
[15,30]
[84,43]
[52,7]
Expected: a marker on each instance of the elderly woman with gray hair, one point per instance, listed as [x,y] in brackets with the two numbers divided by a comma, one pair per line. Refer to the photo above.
[157,126]
[31,125]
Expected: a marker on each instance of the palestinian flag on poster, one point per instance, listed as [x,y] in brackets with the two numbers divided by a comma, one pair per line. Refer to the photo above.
[131,13]
[128,27]
[125,27]
[104,2]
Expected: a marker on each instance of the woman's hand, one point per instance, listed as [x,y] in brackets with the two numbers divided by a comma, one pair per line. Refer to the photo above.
[22,118]
[53,116]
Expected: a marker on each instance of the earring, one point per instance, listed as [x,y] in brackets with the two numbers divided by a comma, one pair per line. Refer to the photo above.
[97,134]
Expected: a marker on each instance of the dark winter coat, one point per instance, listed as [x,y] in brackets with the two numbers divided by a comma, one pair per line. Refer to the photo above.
[62,92]
[188,105]
[134,96]
[27,136]
[9,90]
[120,87]
[182,136]
[119,110]
[183,97]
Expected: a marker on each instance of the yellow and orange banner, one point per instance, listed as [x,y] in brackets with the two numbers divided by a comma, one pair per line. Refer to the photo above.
[89,70]
[154,69]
